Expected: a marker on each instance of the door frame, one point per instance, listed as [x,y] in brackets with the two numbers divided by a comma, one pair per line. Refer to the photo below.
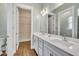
[25,7]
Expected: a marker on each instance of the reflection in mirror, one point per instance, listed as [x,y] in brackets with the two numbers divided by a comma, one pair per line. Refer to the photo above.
[51,23]
[65,18]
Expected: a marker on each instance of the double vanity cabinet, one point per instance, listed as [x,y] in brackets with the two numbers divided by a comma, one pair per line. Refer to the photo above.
[44,47]
[38,45]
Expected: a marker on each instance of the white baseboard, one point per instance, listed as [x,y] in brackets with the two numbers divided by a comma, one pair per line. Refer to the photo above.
[25,40]
[14,52]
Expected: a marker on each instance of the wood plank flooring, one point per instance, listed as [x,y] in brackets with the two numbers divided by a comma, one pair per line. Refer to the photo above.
[25,50]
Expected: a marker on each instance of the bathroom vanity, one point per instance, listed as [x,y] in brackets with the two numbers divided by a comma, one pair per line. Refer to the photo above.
[54,45]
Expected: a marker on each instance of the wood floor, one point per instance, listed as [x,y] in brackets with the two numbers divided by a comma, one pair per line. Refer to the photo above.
[25,50]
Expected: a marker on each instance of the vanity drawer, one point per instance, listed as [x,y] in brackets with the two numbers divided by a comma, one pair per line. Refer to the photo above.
[40,52]
[41,43]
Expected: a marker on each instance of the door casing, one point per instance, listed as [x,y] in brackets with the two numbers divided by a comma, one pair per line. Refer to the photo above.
[17,21]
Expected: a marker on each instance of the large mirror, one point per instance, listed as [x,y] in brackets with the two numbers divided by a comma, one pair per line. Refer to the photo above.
[65,19]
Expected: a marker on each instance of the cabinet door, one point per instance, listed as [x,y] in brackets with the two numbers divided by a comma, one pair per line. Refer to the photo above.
[46,51]
[41,47]
[50,50]
[34,41]
[40,51]
[36,44]
[53,50]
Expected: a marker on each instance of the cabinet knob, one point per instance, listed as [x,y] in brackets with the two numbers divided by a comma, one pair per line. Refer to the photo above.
[7,36]
[51,54]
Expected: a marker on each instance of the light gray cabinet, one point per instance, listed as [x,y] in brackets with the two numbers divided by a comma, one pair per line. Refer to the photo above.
[44,48]
[41,47]
[48,51]
[35,43]
[38,45]
[53,50]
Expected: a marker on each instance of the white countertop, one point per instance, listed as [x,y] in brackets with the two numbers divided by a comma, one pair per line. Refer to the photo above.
[57,41]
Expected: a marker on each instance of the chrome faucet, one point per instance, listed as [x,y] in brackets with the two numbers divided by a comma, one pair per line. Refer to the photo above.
[64,39]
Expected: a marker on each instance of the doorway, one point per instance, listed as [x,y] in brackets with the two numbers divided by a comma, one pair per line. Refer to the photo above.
[24,31]
[24,24]
[21,7]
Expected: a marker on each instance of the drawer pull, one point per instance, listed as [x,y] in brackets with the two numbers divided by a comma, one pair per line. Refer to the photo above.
[51,54]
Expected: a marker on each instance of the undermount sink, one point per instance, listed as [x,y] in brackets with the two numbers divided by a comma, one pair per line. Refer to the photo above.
[71,45]
[74,47]
[55,37]
[72,42]
[61,43]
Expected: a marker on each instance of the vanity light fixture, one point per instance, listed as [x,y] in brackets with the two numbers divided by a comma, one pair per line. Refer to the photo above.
[44,11]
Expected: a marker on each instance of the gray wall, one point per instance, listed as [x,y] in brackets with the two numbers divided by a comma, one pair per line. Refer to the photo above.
[3,25]
[44,24]
[44,20]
